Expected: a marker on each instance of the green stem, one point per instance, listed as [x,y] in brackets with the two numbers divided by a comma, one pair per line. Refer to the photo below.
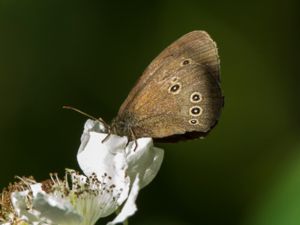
[125,222]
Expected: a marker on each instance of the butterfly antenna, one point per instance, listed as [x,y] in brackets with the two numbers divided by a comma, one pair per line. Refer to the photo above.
[87,115]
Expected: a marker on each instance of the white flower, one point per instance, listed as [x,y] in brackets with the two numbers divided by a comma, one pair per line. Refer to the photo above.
[127,167]
[115,172]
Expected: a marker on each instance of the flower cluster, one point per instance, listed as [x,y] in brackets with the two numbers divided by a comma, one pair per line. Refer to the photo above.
[115,170]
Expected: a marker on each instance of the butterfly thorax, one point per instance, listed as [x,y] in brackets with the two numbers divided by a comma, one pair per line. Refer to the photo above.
[123,125]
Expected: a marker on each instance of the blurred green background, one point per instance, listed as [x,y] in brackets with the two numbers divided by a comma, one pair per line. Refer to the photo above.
[90,53]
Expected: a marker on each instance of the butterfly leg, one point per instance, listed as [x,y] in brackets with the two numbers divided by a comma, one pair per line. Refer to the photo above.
[110,130]
[133,137]
[106,137]
[135,144]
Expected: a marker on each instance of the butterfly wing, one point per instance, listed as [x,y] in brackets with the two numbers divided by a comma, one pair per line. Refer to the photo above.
[178,93]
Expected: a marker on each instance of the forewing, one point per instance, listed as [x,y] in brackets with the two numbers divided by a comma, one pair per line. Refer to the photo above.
[196,45]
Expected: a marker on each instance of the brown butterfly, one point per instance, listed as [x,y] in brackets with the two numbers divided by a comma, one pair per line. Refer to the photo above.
[178,96]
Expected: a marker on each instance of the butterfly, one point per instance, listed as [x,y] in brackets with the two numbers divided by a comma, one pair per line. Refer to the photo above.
[178,96]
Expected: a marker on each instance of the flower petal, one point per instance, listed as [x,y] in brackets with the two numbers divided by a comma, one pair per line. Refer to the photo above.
[144,160]
[19,203]
[106,160]
[129,207]
[45,208]
[108,157]
[56,209]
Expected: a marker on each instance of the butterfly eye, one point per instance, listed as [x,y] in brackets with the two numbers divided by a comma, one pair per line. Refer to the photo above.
[195,111]
[175,88]
[193,121]
[196,97]
[186,62]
